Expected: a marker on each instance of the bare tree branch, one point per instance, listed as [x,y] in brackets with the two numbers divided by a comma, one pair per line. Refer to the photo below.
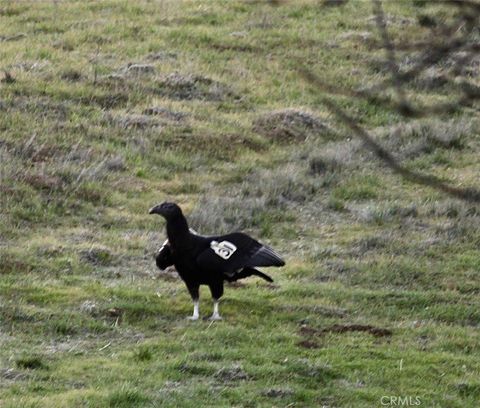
[390,49]
[468,194]
[443,45]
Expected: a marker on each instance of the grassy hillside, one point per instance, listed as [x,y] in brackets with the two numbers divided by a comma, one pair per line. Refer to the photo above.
[107,108]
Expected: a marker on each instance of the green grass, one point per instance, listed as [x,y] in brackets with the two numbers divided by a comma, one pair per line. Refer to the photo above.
[85,317]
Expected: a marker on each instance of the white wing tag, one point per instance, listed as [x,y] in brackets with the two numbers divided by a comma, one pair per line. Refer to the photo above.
[223,249]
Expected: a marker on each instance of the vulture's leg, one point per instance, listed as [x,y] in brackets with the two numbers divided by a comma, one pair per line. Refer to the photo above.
[194,293]
[215,315]
[217,291]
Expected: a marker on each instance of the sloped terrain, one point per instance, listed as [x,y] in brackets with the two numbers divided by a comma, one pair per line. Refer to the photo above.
[107,108]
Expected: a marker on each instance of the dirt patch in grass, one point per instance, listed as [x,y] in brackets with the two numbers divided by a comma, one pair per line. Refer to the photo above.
[334,3]
[115,163]
[114,312]
[33,362]
[192,86]
[43,153]
[234,47]
[106,100]
[12,264]
[165,113]
[308,344]
[344,328]
[97,256]
[44,182]
[370,243]
[71,75]
[322,165]
[139,69]
[278,392]
[162,56]
[132,121]
[194,369]
[290,125]
[229,374]
[340,328]
[339,268]
[7,78]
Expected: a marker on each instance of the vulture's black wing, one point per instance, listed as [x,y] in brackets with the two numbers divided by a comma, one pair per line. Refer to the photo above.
[228,253]
[163,257]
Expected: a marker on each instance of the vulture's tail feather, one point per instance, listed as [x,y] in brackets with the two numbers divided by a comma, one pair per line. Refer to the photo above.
[262,275]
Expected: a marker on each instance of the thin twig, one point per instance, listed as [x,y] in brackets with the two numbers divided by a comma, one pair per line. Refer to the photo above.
[105,346]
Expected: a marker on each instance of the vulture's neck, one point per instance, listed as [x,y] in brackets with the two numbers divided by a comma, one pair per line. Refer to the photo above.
[177,231]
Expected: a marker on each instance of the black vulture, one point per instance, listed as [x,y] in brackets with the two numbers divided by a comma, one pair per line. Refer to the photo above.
[164,259]
[209,260]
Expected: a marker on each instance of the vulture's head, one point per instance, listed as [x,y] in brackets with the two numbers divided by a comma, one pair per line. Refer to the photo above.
[166,210]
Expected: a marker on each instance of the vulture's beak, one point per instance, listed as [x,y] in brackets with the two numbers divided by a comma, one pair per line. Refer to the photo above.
[153,210]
